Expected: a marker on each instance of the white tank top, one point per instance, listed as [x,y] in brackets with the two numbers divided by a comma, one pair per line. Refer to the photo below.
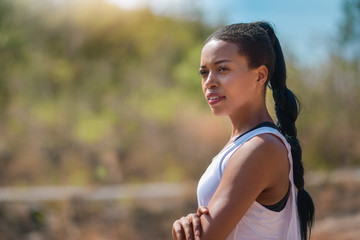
[258,222]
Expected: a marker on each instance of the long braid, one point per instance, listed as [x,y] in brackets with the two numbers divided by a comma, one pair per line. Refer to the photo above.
[286,109]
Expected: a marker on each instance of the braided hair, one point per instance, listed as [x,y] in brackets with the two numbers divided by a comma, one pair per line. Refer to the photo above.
[258,43]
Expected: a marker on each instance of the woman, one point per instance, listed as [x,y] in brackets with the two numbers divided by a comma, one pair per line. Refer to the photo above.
[254,188]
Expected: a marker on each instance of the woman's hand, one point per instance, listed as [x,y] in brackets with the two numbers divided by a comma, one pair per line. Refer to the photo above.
[189,227]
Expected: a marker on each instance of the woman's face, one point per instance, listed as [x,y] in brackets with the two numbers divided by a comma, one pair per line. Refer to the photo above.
[229,86]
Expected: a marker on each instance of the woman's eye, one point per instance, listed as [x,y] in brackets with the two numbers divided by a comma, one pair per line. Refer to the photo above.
[222,69]
[203,72]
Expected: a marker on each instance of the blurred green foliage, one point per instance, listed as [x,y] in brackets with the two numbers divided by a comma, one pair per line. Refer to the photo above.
[85,86]
[90,93]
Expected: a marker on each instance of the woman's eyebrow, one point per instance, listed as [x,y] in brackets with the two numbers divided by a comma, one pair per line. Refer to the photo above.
[222,61]
[218,62]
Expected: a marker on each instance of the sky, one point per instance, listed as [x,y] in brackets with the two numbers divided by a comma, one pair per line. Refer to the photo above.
[305,28]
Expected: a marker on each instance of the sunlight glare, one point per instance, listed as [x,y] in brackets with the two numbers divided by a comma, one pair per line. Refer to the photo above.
[163,7]
[133,4]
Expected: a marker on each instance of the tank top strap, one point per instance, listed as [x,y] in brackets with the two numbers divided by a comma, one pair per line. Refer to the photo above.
[263,124]
[263,128]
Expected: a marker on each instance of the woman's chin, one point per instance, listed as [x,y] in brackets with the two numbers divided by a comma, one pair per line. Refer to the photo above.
[218,113]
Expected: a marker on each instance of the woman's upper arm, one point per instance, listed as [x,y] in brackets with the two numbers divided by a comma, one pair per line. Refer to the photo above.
[249,171]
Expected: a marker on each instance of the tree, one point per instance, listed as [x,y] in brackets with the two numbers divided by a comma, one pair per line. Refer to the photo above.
[349,30]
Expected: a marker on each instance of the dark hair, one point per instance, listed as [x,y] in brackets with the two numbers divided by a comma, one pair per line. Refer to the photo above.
[258,43]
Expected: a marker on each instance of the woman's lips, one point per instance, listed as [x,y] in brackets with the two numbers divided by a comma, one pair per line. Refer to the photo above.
[215,99]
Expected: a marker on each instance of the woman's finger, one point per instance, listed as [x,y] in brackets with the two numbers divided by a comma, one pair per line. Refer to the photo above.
[196,223]
[202,210]
[188,228]
[177,231]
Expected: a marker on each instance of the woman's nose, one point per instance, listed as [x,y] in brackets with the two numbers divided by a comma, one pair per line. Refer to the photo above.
[211,81]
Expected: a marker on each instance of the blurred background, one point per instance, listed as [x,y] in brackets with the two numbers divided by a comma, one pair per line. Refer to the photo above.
[104,131]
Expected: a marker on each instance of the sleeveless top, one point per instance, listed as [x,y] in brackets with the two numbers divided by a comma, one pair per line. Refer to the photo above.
[258,222]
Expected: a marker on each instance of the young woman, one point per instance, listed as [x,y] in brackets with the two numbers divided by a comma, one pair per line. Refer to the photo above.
[254,188]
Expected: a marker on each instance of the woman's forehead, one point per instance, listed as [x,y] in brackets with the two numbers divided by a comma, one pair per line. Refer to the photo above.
[215,50]
[219,47]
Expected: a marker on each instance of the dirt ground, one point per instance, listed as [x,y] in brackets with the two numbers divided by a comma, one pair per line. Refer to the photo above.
[337,200]
[338,228]
[336,196]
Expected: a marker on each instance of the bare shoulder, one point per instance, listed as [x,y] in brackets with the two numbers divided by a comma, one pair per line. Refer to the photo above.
[265,148]
[264,157]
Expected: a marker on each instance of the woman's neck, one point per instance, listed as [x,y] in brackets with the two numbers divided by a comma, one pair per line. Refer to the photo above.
[248,118]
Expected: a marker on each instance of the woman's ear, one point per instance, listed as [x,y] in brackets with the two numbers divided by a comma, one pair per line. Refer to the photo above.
[262,74]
